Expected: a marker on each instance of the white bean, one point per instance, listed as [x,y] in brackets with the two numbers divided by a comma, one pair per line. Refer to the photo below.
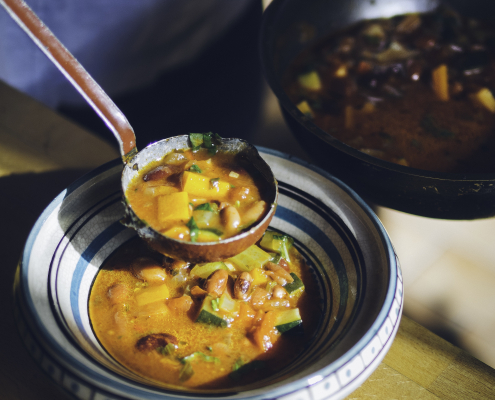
[231,220]
[254,213]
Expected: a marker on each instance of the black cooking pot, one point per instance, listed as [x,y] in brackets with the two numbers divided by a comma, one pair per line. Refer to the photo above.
[288,27]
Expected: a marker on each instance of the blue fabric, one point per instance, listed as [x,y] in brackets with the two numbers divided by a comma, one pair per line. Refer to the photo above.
[123,44]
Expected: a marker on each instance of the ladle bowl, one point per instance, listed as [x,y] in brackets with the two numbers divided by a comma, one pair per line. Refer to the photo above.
[123,132]
[209,251]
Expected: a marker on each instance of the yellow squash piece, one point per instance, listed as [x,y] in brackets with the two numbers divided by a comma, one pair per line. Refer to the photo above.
[152,294]
[259,277]
[440,81]
[304,107]
[173,207]
[484,97]
[310,81]
[198,185]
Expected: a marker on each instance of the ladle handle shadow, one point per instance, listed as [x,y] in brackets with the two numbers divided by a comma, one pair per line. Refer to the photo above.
[76,74]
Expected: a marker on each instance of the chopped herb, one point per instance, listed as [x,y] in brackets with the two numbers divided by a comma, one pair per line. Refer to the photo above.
[285,245]
[193,229]
[215,304]
[205,140]
[214,183]
[186,372]
[209,348]
[196,355]
[430,125]
[232,186]
[195,168]
[245,369]
[237,204]
[204,206]
[196,140]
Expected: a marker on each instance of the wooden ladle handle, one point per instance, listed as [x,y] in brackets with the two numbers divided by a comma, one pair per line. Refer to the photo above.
[76,74]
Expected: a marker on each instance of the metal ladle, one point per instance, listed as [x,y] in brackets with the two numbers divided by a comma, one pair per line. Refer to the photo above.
[133,161]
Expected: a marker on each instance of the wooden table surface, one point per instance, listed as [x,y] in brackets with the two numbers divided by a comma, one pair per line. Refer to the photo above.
[42,153]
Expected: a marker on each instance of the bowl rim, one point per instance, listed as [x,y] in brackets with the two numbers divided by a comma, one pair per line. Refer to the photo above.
[269,15]
[75,366]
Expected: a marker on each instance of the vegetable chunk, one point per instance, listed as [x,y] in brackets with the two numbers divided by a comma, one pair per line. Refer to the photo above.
[152,294]
[203,186]
[173,207]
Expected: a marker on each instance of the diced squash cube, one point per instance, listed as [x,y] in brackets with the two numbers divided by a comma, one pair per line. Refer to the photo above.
[152,294]
[484,97]
[310,81]
[197,185]
[259,276]
[173,207]
[440,81]
[304,107]
[252,257]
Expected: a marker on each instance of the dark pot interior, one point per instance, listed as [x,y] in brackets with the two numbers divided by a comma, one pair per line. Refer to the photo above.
[286,26]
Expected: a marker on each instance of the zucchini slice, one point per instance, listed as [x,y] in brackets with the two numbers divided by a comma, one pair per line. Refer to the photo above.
[252,257]
[203,271]
[208,316]
[294,287]
[288,320]
[278,243]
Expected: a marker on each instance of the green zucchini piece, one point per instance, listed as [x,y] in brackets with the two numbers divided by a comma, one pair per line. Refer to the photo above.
[227,304]
[245,369]
[281,244]
[294,287]
[251,258]
[287,320]
[203,271]
[208,316]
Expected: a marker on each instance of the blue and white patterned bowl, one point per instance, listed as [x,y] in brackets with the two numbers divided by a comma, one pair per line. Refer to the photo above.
[345,244]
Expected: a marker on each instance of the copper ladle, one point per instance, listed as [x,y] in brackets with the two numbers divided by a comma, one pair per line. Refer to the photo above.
[123,132]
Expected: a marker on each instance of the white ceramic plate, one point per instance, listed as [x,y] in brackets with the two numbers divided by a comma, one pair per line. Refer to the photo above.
[343,241]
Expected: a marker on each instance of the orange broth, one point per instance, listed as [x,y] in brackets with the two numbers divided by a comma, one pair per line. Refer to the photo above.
[197,197]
